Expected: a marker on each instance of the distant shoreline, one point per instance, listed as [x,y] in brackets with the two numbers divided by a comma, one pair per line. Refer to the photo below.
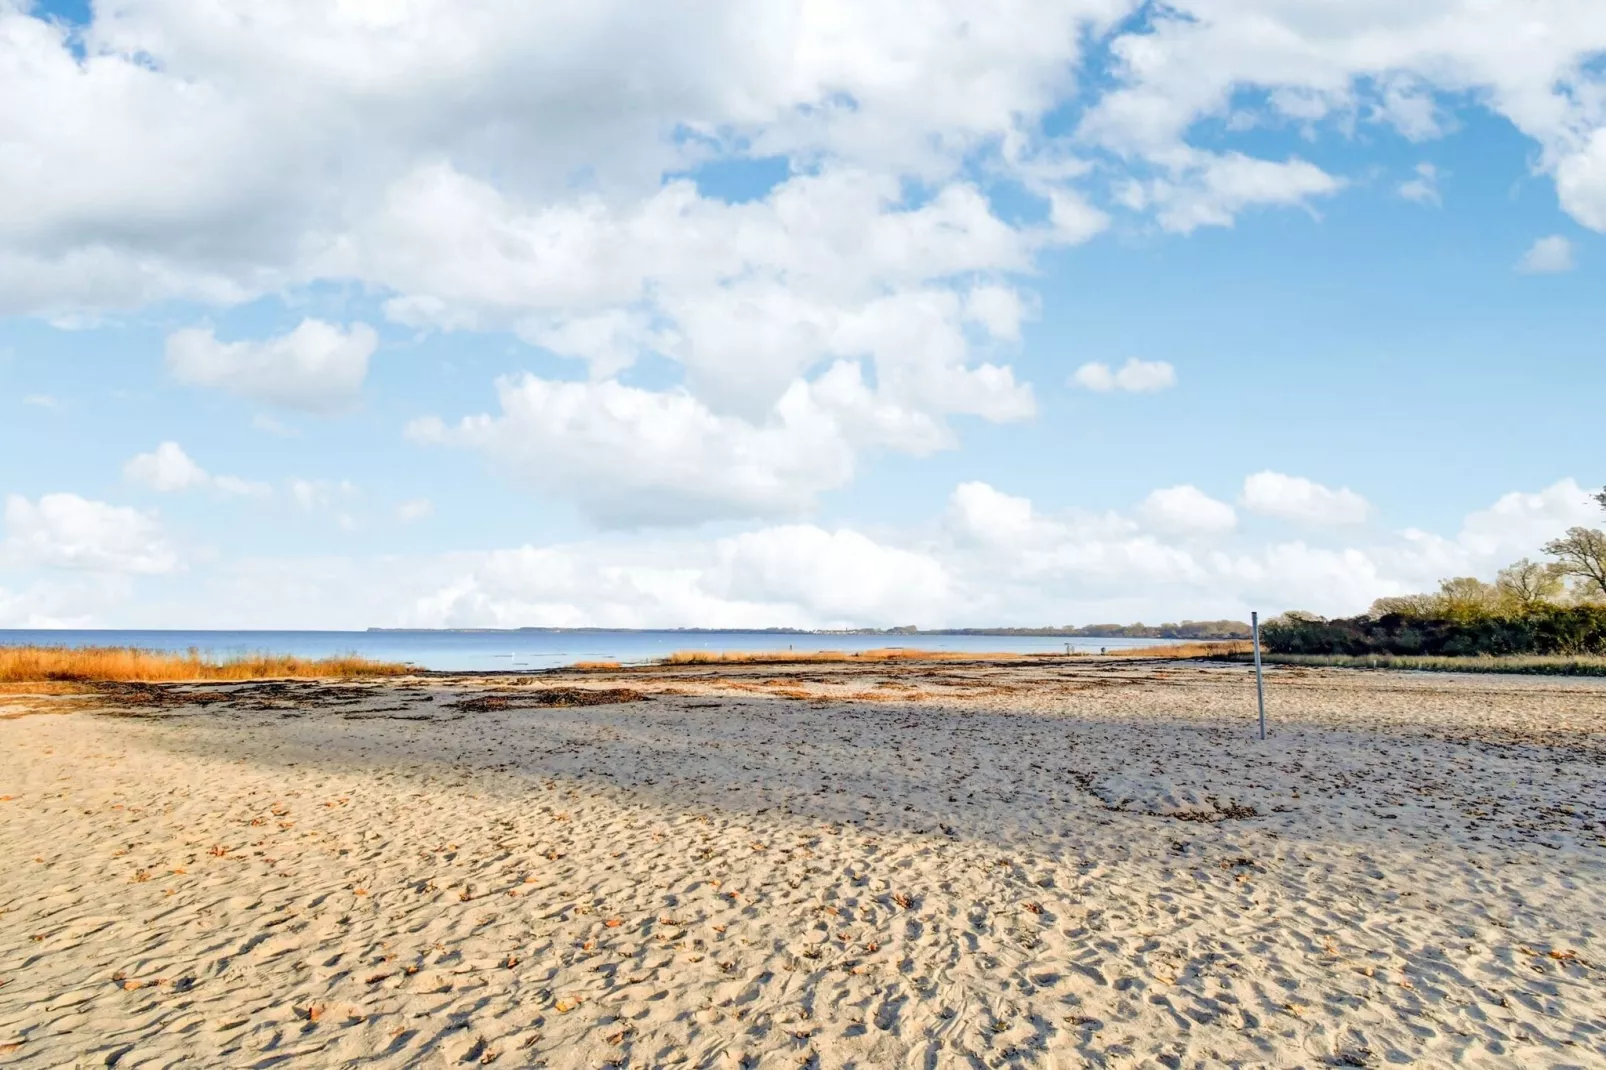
[1136,631]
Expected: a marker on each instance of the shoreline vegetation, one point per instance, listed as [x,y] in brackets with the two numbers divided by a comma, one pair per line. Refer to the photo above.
[1535,664]
[47,664]
[1202,630]
[1222,649]
[1537,616]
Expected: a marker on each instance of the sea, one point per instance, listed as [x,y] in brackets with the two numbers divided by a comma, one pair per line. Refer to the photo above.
[531,650]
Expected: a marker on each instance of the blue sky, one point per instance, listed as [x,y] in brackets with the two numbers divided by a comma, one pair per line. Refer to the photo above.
[818,317]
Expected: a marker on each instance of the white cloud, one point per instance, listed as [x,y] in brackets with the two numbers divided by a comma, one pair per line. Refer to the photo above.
[794,575]
[171,162]
[497,173]
[42,401]
[64,600]
[1198,189]
[1295,498]
[317,366]
[1135,376]
[1186,510]
[840,575]
[312,495]
[981,512]
[1271,61]
[414,510]
[67,531]
[994,558]
[999,309]
[1547,256]
[1581,180]
[1518,522]
[1424,188]
[168,468]
[631,456]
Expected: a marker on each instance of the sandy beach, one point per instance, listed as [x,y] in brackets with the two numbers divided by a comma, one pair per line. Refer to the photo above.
[1045,863]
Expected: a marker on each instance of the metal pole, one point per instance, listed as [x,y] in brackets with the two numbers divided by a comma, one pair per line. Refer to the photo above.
[1260,684]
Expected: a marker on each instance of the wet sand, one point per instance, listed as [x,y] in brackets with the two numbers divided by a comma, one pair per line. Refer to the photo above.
[1053,862]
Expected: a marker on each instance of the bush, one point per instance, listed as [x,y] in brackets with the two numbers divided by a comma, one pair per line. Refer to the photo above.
[1547,629]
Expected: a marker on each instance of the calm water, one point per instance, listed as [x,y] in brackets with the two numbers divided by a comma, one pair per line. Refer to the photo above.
[535,650]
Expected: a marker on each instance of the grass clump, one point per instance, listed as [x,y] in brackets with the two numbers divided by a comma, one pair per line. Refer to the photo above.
[1544,664]
[1228,648]
[27,664]
[777,657]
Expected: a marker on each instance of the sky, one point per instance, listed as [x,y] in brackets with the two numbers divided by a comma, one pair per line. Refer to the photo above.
[411,313]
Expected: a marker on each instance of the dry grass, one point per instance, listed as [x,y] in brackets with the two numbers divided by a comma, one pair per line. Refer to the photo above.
[779,657]
[19,664]
[1223,648]
[595,666]
[897,653]
[1554,665]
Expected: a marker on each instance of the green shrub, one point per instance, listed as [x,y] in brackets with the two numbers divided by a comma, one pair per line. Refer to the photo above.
[1545,629]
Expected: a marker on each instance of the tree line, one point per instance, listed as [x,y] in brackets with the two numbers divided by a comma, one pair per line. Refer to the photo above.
[1556,606]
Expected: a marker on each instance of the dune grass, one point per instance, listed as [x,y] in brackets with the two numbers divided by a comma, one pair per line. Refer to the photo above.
[1225,648]
[1552,664]
[768,657]
[1221,649]
[23,664]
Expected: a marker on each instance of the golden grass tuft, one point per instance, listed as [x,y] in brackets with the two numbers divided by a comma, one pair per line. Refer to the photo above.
[780,657]
[1225,648]
[1221,649]
[20,664]
[595,666]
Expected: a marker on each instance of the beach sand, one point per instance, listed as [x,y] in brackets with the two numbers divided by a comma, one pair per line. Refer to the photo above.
[1046,863]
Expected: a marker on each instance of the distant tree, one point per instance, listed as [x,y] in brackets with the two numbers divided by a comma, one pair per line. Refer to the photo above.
[1526,585]
[1581,554]
[1467,598]
[1300,616]
[1422,606]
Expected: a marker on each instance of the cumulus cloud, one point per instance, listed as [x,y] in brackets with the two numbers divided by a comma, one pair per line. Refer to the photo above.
[1135,376]
[1269,62]
[1295,498]
[168,468]
[1187,510]
[1197,189]
[1424,188]
[791,575]
[994,557]
[837,575]
[635,457]
[198,154]
[317,366]
[1520,521]
[67,531]
[500,174]
[1547,256]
